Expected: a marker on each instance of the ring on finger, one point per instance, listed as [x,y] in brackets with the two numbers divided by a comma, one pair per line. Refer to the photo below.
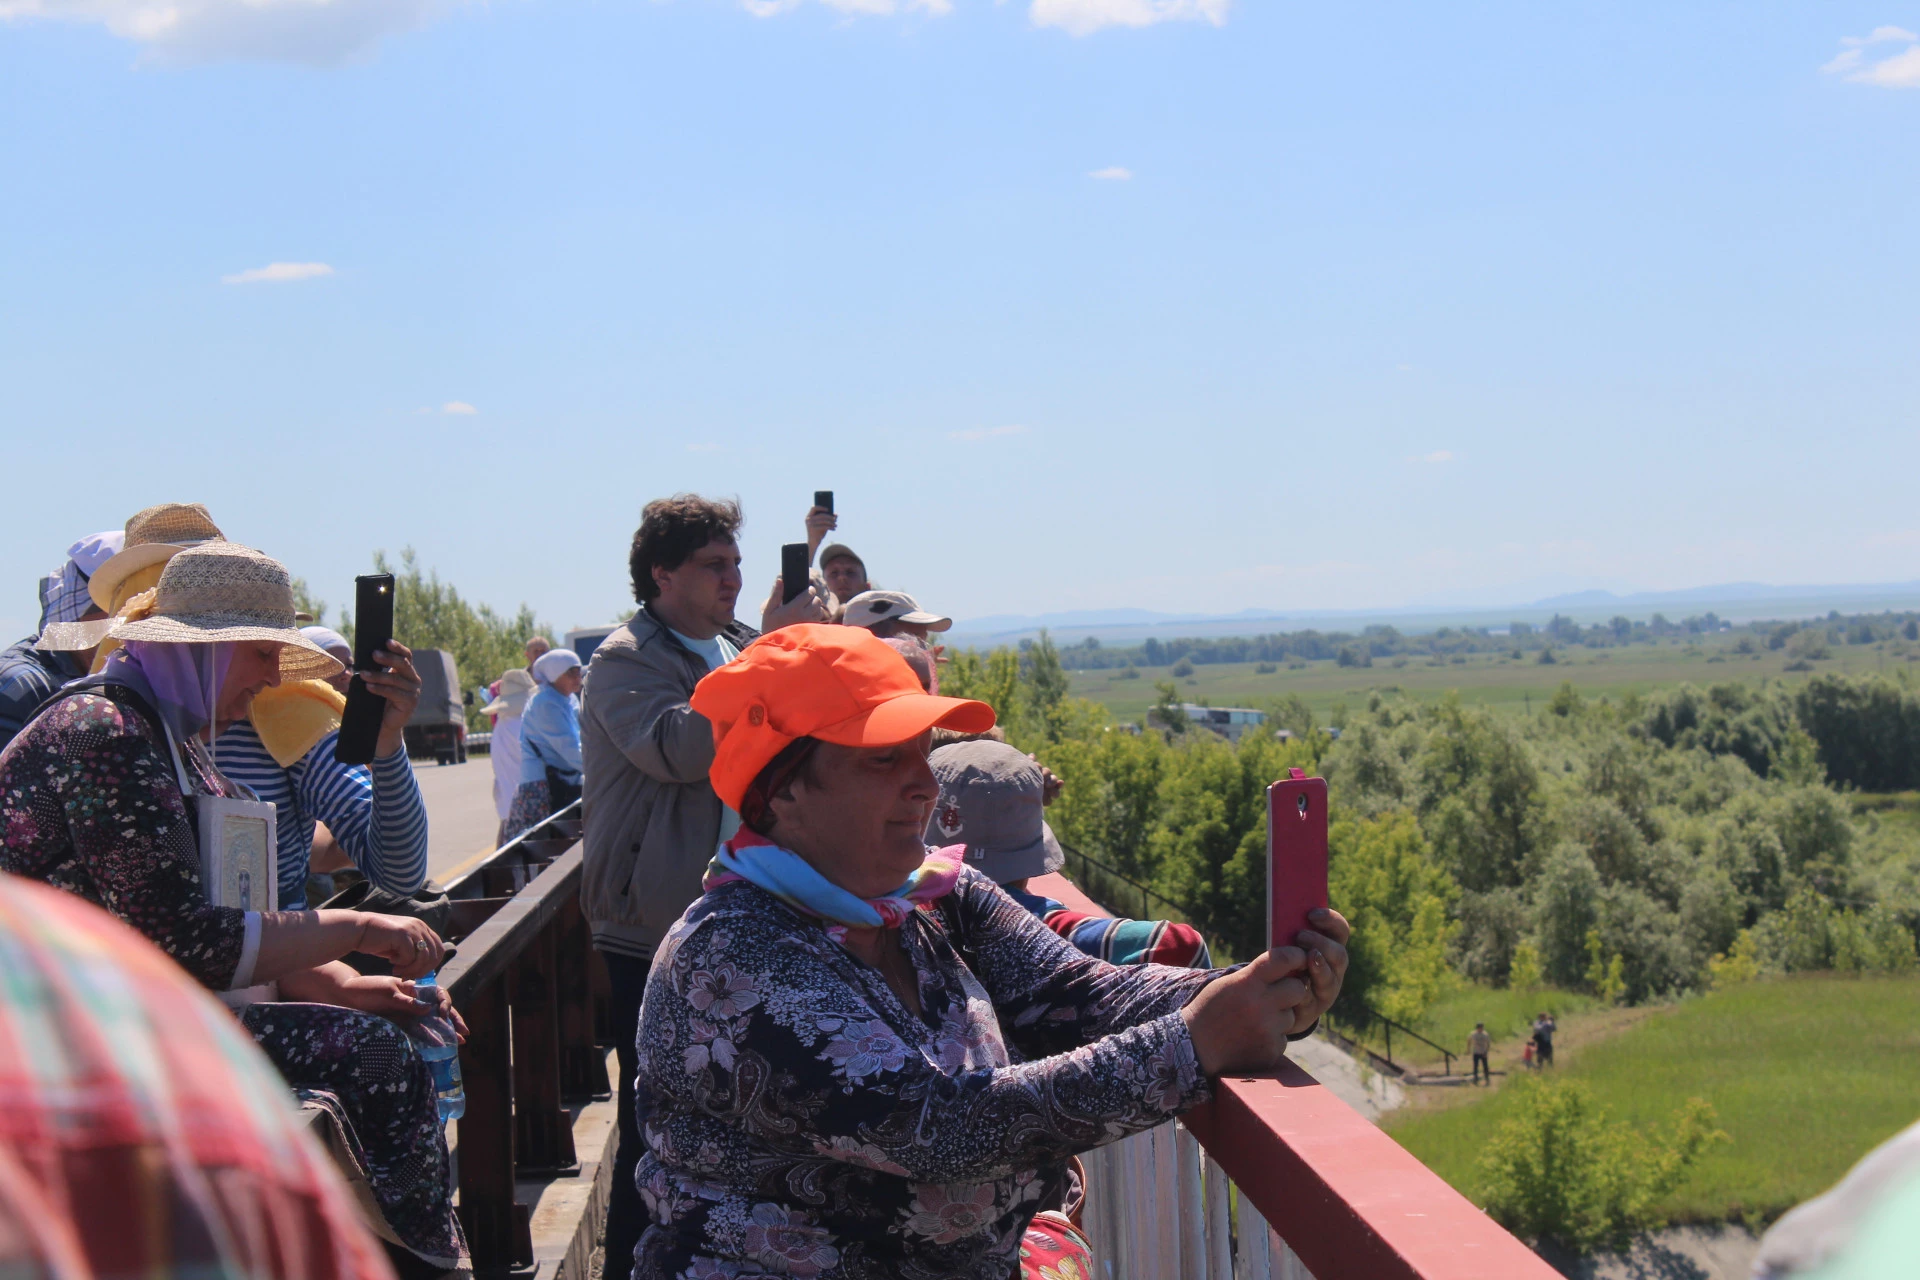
[419,944]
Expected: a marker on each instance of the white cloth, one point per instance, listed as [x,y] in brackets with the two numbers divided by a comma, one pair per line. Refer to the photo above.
[553,664]
[506,751]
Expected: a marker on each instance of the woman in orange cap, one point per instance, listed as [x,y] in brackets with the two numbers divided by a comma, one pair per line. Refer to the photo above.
[859,1058]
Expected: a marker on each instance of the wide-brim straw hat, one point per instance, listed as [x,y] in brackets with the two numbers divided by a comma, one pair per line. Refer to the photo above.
[516,687]
[152,535]
[224,592]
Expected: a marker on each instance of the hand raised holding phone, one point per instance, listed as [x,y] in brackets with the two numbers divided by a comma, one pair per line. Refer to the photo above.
[385,687]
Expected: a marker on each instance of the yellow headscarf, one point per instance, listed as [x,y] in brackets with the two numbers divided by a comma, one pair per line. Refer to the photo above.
[292,718]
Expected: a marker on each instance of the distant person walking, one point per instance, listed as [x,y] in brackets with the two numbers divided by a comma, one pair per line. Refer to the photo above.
[1543,1029]
[1480,1044]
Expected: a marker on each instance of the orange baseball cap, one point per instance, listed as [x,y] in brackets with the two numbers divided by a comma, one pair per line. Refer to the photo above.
[839,684]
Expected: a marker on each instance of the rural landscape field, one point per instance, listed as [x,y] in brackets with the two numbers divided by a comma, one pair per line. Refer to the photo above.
[1498,682]
[1699,853]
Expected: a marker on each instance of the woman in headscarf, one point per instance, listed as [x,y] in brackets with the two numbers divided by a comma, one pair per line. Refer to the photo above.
[105,794]
[858,1057]
[508,707]
[549,742]
[29,670]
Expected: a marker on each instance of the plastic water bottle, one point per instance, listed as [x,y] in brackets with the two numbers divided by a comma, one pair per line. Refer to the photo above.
[441,1048]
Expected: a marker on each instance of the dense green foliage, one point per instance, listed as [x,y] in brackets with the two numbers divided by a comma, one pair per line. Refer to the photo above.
[1774,1057]
[431,614]
[1558,1168]
[1617,846]
[1360,649]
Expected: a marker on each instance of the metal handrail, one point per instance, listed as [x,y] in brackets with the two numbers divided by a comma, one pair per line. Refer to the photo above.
[1373,1016]
[515,847]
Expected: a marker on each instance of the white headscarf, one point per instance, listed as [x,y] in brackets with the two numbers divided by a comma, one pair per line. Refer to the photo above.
[553,664]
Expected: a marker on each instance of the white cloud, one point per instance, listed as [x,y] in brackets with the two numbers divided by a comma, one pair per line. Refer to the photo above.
[1899,70]
[1083,17]
[318,32]
[460,407]
[1437,457]
[278,272]
[1113,173]
[987,433]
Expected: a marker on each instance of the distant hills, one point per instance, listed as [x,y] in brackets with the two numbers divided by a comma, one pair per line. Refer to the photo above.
[1733,601]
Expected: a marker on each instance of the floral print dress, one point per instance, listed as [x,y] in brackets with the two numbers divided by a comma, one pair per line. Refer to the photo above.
[90,803]
[801,1120]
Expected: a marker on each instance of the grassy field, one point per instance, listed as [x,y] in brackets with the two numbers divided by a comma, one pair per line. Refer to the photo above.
[1493,680]
[1807,1074]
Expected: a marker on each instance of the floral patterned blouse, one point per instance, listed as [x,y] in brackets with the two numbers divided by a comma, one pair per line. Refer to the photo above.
[801,1120]
[90,803]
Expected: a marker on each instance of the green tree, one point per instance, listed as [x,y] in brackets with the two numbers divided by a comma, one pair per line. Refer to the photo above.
[1110,803]
[431,614]
[1043,685]
[1605,978]
[305,601]
[1168,708]
[1566,905]
[1560,1169]
[993,678]
[1524,975]
[1384,879]
[1478,796]
[1868,730]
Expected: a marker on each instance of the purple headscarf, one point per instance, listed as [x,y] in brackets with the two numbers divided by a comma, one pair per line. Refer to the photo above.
[186,678]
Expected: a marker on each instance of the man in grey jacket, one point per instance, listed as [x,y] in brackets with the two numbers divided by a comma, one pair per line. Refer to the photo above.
[651,821]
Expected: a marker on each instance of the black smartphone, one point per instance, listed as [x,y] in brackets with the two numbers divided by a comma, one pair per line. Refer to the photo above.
[796,569]
[372,628]
[823,498]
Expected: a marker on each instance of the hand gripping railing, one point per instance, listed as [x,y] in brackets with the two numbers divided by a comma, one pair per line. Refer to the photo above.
[1277,1179]
[523,979]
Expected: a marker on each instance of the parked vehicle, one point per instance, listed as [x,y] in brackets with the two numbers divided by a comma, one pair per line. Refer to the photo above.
[584,640]
[438,727]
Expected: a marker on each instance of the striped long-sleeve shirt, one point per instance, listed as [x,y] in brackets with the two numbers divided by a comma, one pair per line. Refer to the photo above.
[375,813]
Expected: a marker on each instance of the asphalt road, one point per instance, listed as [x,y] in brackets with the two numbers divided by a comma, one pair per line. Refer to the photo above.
[461,821]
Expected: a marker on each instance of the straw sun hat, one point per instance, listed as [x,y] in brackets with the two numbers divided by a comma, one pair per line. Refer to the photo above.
[222,591]
[153,536]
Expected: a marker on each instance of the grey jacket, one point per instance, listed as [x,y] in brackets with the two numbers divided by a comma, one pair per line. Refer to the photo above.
[651,820]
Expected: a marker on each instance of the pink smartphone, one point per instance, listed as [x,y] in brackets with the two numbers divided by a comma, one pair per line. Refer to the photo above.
[1296,854]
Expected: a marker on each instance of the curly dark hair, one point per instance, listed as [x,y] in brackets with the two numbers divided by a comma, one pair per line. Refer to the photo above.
[671,529]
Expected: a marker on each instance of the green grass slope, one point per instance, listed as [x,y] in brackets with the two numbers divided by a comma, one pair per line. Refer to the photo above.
[1807,1074]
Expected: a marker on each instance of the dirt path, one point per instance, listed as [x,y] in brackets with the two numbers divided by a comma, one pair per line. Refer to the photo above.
[1576,1033]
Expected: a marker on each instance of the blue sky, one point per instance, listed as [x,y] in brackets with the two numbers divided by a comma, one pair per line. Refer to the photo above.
[1183,304]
